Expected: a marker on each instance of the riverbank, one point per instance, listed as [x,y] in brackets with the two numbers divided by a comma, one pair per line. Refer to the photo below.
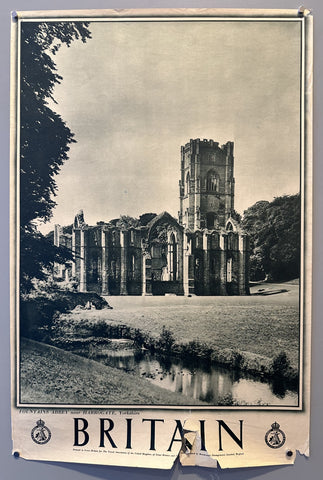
[258,334]
[53,376]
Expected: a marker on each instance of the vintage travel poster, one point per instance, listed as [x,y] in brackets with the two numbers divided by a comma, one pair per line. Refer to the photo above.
[161,243]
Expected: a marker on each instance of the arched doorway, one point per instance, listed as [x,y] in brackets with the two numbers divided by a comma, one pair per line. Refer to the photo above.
[165,244]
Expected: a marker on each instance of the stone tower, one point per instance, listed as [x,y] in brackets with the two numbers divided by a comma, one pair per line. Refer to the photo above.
[206,185]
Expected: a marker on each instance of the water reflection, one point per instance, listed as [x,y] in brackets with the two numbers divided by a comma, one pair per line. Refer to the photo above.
[211,384]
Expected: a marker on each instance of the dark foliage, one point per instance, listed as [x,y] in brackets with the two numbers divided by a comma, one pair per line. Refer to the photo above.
[44,140]
[125,221]
[280,365]
[195,350]
[166,341]
[100,329]
[145,218]
[37,253]
[274,232]
[38,314]
[236,216]
[139,339]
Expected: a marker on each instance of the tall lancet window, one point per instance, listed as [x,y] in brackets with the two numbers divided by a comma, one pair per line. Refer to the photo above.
[212,182]
[229,270]
[187,184]
[172,255]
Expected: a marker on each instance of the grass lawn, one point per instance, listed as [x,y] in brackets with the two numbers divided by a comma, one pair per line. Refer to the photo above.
[264,324]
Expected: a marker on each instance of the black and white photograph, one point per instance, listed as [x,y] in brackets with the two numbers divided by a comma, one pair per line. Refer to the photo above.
[160,212]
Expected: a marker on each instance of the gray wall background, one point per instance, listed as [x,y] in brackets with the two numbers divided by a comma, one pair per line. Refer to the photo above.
[15,468]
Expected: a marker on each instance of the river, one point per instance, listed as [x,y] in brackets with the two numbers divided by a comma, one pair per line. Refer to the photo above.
[211,384]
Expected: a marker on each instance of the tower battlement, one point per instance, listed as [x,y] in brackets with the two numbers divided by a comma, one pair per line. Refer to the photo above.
[197,144]
[206,184]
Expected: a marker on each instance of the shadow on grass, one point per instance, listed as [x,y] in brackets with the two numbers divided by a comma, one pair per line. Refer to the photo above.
[265,292]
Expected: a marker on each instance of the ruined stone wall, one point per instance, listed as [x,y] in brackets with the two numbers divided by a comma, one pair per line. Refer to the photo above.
[108,260]
[217,263]
[137,261]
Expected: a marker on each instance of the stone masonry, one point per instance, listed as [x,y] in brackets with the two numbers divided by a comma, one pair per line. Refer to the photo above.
[204,252]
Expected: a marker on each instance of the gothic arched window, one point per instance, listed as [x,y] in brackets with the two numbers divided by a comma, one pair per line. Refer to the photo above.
[212,181]
[229,270]
[229,227]
[113,269]
[187,184]
[132,264]
[172,255]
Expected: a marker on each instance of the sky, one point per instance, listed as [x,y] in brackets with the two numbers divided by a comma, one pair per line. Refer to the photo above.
[137,91]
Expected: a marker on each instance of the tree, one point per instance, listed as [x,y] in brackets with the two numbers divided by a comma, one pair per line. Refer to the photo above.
[125,221]
[236,216]
[44,141]
[274,232]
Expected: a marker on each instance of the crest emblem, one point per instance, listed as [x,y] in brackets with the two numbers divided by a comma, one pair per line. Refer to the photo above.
[41,434]
[275,438]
